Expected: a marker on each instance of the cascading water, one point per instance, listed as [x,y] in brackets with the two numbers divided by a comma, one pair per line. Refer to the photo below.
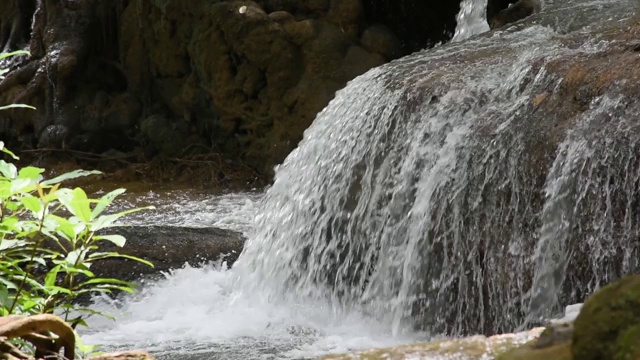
[424,197]
[472,19]
[417,196]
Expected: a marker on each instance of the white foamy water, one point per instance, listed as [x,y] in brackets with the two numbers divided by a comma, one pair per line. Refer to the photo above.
[203,314]
[234,211]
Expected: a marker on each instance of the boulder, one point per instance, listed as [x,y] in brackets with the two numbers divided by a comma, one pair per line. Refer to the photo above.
[607,327]
[167,247]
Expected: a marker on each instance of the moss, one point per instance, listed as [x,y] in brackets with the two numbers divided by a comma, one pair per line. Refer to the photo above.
[628,344]
[528,351]
[606,315]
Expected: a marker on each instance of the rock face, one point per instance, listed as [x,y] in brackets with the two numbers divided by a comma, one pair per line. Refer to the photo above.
[174,78]
[168,247]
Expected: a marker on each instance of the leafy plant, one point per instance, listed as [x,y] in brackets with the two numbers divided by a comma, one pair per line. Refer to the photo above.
[49,238]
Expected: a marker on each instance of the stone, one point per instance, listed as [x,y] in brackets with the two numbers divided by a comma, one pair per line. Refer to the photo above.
[53,137]
[469,348]
[358,61]
[601,329]
[345,12]
[167,247]
[281,17]
[515,12]
[380,39]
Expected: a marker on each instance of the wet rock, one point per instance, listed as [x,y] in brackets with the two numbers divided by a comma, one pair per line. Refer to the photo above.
[168,247]
[165,135]
[515,12]
[358,61]
[53,137]
[345,12]
[608,322]
[281,16]
[121,113]
[380,39]
[468,348]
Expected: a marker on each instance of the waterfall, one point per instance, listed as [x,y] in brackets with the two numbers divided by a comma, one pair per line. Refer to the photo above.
[590,212]
[426,194]
[472,19]
[435,194]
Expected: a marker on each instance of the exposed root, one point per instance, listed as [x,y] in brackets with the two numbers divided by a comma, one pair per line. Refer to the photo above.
[47,333]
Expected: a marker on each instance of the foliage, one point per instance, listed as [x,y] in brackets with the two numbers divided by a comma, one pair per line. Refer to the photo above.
[49,238]
[4,71]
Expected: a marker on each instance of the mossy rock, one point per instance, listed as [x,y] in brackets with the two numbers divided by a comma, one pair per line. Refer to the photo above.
[604,318]
[529,351]
[628,344]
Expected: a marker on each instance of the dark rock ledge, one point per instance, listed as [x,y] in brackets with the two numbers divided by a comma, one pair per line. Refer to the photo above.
[168,247]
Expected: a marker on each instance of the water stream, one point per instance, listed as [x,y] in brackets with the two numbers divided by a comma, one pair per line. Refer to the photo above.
[420,202]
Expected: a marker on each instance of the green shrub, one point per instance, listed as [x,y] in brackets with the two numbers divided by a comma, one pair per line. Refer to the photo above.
[49,237]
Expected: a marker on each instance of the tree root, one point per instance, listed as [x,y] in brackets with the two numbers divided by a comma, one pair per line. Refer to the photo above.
[48,334]
[37,330]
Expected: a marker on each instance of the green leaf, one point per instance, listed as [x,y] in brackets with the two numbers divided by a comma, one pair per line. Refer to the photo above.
[14,106]
[6,151]
[4,296]
[51,277]
[70,175]
[107,255]
[76,202]
[117,240]
[75,257]
[64,225]
[32,203]
[106,221]
[14,53]
[8,170]
[22,186]
[108,281]
[30,172]
[105,201]
[55,290]
[12,244]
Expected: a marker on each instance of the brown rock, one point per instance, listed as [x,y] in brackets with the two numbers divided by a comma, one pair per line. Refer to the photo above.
[358,61]
[281,16]
[380,39]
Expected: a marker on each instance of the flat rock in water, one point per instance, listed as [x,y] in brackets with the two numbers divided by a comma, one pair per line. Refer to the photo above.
[168,247]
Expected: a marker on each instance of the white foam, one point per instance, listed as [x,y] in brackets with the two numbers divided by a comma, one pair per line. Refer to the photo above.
[199,310]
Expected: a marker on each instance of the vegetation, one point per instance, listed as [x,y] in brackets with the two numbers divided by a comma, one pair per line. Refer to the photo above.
[49,238]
